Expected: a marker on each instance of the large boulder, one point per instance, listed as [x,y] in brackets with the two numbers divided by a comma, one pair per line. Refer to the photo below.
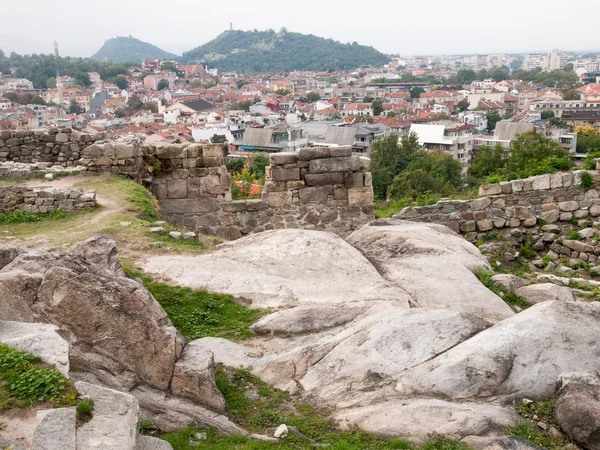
[113,425]
[101,251]
[283,268]
[432,263]
[518,357]
[39,339]
[577,408]
[415,419]
[543,292]
[508,282]
[56,430]
[194,378]
[115,327]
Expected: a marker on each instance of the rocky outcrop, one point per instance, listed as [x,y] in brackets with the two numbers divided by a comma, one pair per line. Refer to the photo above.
[520,357]
[577,408]
[115,327]
[433,264]
[543,292]
[39,339]
[511,443]
[194,378]
[508,282]
[279,269]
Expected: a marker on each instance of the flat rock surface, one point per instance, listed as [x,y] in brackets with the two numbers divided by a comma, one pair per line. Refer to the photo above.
[282,269]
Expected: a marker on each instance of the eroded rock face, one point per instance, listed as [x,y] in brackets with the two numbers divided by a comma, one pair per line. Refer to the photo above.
[279,269]
[577,408]
[115,327]
[518,357]
[432,263]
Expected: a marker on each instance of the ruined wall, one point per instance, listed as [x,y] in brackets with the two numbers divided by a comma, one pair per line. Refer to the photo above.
[56,146]
[44,200]
[315,188]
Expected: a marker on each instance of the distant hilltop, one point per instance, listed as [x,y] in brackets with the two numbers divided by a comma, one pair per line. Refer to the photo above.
[270,51]
[129,49]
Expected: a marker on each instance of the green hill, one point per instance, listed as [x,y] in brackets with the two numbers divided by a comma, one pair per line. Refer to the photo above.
[128,49]
[269,51]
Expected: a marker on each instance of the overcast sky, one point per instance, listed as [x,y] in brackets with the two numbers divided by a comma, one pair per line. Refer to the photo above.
[408,27]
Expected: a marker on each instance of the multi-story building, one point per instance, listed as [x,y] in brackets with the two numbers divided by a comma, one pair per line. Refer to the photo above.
[151,81]
[453,138]
[556,59]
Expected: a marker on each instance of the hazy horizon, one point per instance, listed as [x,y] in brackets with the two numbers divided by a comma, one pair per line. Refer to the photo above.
[432,28]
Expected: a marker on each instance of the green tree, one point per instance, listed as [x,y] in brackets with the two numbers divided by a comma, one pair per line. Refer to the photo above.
[500,73]
[533,154]
[168,66]
[83,79]
[377,107]
[234,165]
[547,114]
[218,139]
[313,97]
[74,108]
[37,100]
[135,104]
[282,91]
[416,92]
[391,114]
[120,81]
[488,160]
[493,117]
[482,75]
[466,76]
[162,84]
[261,161]
[463,105]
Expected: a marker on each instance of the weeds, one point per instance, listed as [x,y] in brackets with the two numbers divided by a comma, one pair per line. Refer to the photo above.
[197,314]
[24,380]
[485,276]
[574,235]
[536,412]
[586,180]
[84,411]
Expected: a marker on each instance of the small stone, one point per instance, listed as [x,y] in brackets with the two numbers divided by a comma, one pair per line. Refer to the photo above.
[190,235]
[281,431]
[160,222]
[542,425]
[49,176]
[156,230]
[125,224]
[175,234]
[158,244]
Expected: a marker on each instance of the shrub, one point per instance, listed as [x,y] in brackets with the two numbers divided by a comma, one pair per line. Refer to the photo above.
[147,426]
[526,251]
[34,384]
[586,180]
[84,410]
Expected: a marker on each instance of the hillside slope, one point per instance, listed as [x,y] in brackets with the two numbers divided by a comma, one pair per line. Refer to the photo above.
[129,49]
[269,51]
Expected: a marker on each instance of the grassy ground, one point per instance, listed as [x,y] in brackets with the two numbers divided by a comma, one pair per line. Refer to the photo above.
[385,209]
[514,300]
[260,408]
[528,429]
[197,314]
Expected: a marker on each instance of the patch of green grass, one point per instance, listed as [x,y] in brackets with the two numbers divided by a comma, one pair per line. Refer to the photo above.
[384,210]
[490,236]
[147,426]
[535,412]
[574,221]
[546,260]
[574,235]
[16,217]
[141,198]
[166,238]
[259,408]
[485,276]
[84,410]
[574,284]
[24,380]
[197,314]
[526,251]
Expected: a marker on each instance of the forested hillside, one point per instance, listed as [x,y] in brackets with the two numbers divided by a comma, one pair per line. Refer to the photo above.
[128,49]
[269,51]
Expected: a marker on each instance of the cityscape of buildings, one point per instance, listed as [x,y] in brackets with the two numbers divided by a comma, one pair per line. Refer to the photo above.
[165,101]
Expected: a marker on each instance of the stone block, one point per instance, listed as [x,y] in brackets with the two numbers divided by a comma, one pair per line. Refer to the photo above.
[489,189]
[506,187]
[529,222]
[294,185]
[273,186]
[568,206]
[340,194]
[210,161]
[279,199]
[279,174]
[315,194]
[323,179]
[595,211]
[354,180]
[565,217]
[468,226]
[335,152]
[480,203]
[279,159]
[581,213]
[541,182]
[350,164]
[360,196]
[485,225]
[368,179]
[171,151]
[307,154]
[213,151]
[567,179]
[177,188]
[551,216]
[523,212]
[365,164]
[556,181]
[517,185]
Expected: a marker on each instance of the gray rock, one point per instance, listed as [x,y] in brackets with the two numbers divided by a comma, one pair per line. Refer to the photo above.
[587,233]
[403,253]
[283,268]
[39,339]
[416,419]
[5,444]
[511,443]
[518,357]
[508,282]
[194,378]
[577,408]
[56,430]
[157,230]
[101,251]
[114,422]
[543,292]
[151,443]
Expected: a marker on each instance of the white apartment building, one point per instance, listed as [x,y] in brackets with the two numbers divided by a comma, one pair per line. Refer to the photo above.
[554,60]
[454,138]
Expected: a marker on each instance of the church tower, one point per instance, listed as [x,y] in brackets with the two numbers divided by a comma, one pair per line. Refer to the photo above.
[61,98]
[56,49]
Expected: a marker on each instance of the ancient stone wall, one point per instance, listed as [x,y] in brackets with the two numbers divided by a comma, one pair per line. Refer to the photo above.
[44,200]
[545,199]
[315,188]
[56,146]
